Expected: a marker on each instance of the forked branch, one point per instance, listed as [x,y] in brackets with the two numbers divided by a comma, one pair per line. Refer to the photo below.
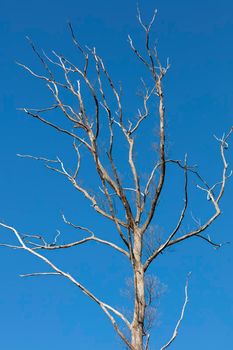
[107,309]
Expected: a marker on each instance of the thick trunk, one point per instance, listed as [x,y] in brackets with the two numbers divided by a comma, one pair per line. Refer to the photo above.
[139,302]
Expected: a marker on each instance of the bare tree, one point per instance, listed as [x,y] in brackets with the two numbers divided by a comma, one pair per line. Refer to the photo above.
[131,205]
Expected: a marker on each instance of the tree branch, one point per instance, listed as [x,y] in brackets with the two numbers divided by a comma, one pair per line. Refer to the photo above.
[181,218]
[105,307]
[175,333]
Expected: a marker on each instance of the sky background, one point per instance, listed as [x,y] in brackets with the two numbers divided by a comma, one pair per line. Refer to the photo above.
[44,313]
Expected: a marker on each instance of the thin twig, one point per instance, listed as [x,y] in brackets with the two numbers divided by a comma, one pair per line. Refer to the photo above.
[175,333]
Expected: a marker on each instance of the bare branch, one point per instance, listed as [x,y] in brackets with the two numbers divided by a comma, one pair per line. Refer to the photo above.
[162,155]
[175,333]
[54,246]
[10,246]
[210,196]
[43,159]
[208,240]
[137,53]
[147,342]
[35,274]
[143,116]
[105,307]
[73,180]
[76,226]
[58,128]
[215,200]
[181,218]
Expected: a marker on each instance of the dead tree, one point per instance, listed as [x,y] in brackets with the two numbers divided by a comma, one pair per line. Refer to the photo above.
[83,124]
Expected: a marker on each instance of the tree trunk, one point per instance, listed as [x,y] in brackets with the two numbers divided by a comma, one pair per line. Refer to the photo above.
[139,301]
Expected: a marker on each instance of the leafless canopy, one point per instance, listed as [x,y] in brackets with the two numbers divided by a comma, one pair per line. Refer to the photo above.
[83,122]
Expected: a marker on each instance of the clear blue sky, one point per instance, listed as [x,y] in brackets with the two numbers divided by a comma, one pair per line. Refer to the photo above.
[50,313]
